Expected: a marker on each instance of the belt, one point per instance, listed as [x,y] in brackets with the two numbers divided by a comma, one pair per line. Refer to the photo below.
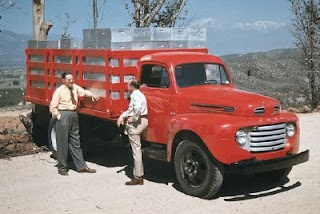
[144,116]
[65,110]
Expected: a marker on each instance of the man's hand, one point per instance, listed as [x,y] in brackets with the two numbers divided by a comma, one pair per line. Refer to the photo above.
[130,120]
[120,121]
[95,98]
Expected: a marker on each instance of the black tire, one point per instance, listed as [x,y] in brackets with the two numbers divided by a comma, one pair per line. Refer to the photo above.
[94,131]
[85,125]
[38,136]
[40,119]
[52,138]
[196,173]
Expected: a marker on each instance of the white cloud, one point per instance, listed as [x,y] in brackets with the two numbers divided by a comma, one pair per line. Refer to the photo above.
[216,24]
[259,25]
[208,23]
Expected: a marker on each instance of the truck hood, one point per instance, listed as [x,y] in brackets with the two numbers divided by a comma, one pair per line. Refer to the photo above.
[224,99]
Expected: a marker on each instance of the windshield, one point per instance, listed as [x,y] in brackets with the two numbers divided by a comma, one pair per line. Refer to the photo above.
[200,74]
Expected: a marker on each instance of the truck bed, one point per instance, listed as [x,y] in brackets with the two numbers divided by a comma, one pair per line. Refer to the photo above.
[104,72]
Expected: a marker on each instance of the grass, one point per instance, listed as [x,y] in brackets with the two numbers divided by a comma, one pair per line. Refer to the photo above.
[11,96]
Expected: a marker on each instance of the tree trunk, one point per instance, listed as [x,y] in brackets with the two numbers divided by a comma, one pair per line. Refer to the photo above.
[137,14]
[150,16]
[40,27]
[95,13]
[40,32]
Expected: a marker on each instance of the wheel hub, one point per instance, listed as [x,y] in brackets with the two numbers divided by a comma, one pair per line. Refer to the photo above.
[53,140]
[191,168]
[194,167]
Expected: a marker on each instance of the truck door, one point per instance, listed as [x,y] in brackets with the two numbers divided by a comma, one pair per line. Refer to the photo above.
[157,86]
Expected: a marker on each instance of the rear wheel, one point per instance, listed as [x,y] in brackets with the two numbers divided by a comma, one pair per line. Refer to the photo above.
[40,119]
[94,131]
[196,173]
[52,138]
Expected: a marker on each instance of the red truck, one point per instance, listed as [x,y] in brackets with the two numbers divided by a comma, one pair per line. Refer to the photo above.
[198,120]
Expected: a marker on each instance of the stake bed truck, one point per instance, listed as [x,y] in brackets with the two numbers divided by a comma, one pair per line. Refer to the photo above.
[198,120]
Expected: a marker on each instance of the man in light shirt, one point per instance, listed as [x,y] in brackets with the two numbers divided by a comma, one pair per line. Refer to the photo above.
[63,107]
[136,123]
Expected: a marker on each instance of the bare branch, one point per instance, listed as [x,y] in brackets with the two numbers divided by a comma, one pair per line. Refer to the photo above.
[177,12]
[149,17]
[156,12]
[102,6]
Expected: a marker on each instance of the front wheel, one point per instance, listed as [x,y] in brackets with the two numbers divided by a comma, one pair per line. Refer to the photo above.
[196,173]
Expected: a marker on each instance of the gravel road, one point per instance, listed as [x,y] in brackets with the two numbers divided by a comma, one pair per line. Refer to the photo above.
[31,184]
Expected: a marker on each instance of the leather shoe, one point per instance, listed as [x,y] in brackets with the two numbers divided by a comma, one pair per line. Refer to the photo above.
[135,181]
[87,170]
[63,172]
[53,156]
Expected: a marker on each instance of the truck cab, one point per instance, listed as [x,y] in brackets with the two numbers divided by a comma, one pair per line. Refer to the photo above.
[208,127]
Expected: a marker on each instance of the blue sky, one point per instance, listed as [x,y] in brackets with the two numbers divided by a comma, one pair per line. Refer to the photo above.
[246,19]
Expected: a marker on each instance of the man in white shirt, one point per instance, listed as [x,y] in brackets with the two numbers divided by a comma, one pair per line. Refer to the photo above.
[136,123]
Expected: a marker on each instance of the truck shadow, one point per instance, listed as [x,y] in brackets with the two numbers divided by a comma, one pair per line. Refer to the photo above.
[236,187]
[118,155]
[246,187]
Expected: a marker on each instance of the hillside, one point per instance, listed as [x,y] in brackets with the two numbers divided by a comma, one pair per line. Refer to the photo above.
[276,73]
[12,47]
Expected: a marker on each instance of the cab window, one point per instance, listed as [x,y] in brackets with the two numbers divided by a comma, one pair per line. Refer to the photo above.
[155,76]
[193,74]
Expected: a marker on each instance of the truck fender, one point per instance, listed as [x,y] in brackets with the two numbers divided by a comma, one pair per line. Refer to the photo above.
[179,123]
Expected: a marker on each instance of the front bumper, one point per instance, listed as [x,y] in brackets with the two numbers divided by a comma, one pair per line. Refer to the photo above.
[255,166]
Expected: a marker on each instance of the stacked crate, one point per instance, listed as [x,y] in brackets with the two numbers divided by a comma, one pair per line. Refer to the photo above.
[60,44]
[131,39]
[144,38]
[43,44]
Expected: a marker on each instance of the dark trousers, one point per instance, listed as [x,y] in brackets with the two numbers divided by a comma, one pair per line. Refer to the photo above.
[68,139]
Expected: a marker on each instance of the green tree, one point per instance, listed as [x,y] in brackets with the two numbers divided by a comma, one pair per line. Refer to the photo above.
[305,29]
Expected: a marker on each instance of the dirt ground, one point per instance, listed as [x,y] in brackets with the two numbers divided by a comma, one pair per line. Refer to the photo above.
[14,139]
[31,184]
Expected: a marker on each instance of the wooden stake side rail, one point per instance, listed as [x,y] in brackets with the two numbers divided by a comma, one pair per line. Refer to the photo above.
[104,72]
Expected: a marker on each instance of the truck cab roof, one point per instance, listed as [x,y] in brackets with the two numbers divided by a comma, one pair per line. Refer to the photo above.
[176,58]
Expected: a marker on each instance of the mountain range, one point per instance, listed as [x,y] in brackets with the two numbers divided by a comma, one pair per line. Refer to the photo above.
[12,48]
[277,73]
[221,40]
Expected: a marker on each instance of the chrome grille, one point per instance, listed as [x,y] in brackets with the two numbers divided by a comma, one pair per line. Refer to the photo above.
[267,138]
[259,111]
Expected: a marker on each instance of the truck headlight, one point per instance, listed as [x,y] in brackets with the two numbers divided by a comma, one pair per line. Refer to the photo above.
[241,137]
[290,129]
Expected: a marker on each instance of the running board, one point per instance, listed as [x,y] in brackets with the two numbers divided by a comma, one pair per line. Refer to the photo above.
[155,153]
